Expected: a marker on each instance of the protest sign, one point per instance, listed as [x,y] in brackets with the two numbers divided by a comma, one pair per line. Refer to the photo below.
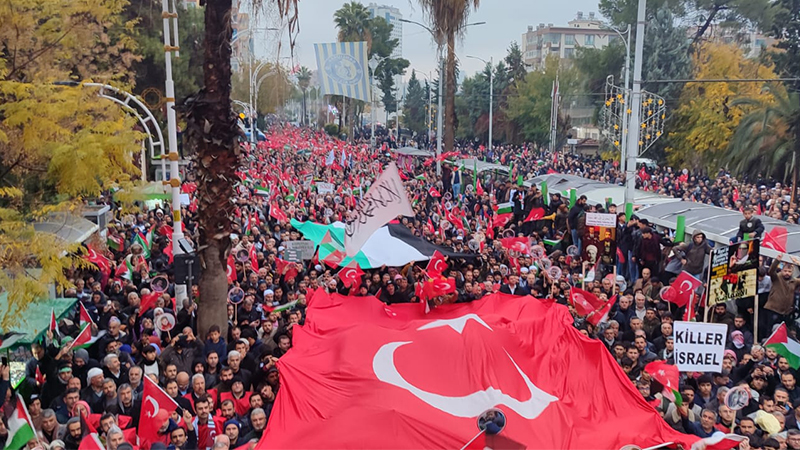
[737,398]
[601,220]
[304,248]
[699,346]
[600,245]
[324,188]
[734,272]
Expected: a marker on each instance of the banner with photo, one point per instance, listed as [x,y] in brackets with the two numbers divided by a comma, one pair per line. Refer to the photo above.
[600,245]
[734,272]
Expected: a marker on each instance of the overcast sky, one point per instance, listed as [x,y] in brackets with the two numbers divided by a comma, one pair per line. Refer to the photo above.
[506,20]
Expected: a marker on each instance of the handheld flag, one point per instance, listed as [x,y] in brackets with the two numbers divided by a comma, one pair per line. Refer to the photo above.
[156,408]
[584,302]
[684,286]
[667,375]
[20,427]
[84,315]
[350,274]
[436,265]
[784,346]
[84,338]
[54,323]
[776,239]
[535,214]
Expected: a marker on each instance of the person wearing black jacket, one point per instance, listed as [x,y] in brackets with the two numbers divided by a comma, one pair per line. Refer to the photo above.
[572,220]
[750,225]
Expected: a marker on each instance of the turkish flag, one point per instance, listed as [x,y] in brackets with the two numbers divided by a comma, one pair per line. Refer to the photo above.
[434,193]
[684,288]
[435,287]
[584,302]
[156,408]
[436,265]
[666,374]
[557,388]
[776,239]
[231,269]
[517,244]
[276,213]
[535,214]
[101,261]
[148,302]
[350,274]
[251,252]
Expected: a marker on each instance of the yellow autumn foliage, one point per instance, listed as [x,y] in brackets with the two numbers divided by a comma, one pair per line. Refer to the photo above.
[707,117]
[59,145]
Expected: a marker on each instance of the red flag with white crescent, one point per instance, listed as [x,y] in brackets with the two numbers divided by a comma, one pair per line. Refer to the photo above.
[350,274]
[436,265]
[157,406]
[520,356]
[684,288]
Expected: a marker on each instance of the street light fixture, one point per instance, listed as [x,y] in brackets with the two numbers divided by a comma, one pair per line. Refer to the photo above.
[625,127]
[438,38]
[491,94]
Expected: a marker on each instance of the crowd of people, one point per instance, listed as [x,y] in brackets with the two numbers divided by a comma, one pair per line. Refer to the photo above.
[226,385]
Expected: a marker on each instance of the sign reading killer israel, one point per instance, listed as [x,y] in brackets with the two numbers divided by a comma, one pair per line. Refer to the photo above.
[343,69]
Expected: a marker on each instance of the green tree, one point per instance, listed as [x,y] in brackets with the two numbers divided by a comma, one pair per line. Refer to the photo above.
[353,23]
[596,64]
[150,69]
[765,142]
[530,109]
[414,107]
[448,19]
[515,64]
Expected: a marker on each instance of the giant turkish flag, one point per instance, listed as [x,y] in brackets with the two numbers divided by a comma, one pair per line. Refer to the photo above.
[362,374]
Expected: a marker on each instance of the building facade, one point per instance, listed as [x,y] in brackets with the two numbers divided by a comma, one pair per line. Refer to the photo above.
[563,41]
[393,16]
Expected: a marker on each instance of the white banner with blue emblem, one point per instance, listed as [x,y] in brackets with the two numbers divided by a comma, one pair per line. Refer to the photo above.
[343,69]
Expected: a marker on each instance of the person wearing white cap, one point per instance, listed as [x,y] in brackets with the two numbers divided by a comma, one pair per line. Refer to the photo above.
[93,392]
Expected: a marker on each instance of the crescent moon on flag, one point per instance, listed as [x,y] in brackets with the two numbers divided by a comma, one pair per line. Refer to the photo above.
[685,282]
[471,405]
[155,407]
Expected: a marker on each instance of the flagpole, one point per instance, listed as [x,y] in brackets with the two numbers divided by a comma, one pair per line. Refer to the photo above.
[473,439]
[708,285]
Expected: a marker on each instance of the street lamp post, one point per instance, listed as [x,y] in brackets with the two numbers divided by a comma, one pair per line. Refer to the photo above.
[253,115]
[373,64]
[429,79]
[491,94]
[625,128]
[172,138]
[636,105]
[439,45]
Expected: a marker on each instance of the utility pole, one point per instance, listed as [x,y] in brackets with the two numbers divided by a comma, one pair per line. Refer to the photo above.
[634,127]
[439,116]
[172,138]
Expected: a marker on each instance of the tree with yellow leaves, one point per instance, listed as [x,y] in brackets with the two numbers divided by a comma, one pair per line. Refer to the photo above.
[58,145]
[708,114]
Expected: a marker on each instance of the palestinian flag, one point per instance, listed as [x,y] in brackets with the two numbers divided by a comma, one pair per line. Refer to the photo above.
[9,339]
[125,270]
[503,214]
[554,241]
[261,190]
[142,240]
[85,318]
[54,322]
[84,338]
[781,343]
[281,308]
[20,428]
[116,243]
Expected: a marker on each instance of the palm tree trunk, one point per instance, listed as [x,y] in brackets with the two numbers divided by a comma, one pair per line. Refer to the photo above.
[211,131]
[450,96]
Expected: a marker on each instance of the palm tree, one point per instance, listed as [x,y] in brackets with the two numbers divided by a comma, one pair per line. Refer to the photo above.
[352,21]
[448,19]
[767,139]
[303,81]
[212,133]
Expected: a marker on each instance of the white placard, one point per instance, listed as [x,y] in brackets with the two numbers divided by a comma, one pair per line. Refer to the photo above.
[699,346]
[601,220]
[324,188]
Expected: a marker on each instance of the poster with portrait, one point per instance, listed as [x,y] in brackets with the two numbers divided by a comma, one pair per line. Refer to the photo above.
[600,244]
[734,272]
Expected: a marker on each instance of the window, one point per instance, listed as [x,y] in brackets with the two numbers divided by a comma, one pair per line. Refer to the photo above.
[569,53]
[552,38]
[588,40]
[569,39]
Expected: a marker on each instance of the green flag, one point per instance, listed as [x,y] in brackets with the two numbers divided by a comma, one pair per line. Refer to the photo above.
[519,180]
[544,193]
[475,174]
[511,171]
